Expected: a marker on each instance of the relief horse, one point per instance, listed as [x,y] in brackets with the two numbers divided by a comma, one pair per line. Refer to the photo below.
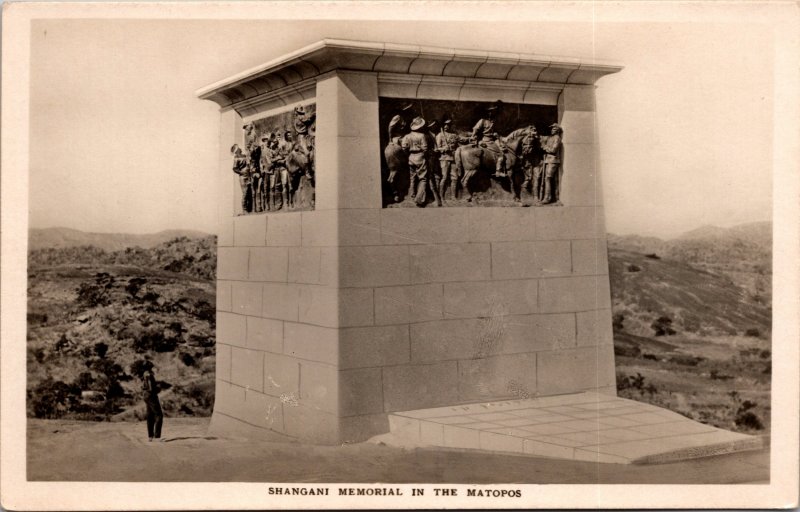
[501,163]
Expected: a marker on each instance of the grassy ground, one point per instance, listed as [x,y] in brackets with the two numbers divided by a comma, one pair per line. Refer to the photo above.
[723,381]
[61,450]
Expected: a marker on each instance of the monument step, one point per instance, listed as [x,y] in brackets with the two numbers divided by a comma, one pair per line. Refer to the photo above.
[585,426]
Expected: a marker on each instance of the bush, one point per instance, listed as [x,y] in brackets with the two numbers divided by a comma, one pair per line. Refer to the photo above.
[52,399]
[635,383]
[62,344]
[749,420]
[84,381]
[617,322]
[101,349]
[715,375]
[93,294]
[627,351]
[134,285]
[634,268]
[752,332]
[37,318]
[745,417]
[686,359]
[663,326]
[140,366]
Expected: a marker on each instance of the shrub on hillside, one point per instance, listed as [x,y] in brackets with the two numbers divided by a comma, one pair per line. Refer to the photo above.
[662,326]
[97,292]
[53,398]
[617,322]
[635,383]
[101,349]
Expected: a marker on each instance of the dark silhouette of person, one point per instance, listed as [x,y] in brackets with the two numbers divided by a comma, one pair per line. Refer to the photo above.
[155,417]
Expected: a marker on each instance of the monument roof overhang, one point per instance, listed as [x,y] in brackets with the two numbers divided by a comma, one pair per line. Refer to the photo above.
[331,54]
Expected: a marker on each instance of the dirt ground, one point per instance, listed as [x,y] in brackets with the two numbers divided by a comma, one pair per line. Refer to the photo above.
[62,450]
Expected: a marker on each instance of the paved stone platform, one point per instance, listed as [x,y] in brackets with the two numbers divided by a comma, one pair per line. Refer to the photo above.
[584,426]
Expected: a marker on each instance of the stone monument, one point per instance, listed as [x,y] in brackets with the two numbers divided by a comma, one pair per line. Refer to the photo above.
[406,227]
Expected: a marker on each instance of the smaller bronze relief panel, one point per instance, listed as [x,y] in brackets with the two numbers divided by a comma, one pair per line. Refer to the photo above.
[276,166]
[467,153]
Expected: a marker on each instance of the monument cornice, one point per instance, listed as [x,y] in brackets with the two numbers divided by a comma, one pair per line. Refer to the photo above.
[327,55]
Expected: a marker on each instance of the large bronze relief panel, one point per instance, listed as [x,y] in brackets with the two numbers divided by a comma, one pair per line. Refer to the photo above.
[469,153]
[276,167]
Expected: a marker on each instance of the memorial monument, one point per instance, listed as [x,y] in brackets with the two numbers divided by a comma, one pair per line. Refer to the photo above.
[406,227]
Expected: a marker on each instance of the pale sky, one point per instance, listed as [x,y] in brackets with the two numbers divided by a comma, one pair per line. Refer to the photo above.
[119,142]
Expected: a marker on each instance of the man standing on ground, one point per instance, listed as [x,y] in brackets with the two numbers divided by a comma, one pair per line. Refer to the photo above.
[155,416]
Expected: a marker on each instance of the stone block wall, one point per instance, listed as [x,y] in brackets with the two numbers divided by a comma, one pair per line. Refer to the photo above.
[479,304]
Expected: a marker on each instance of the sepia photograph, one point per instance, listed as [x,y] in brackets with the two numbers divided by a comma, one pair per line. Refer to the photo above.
[399,255]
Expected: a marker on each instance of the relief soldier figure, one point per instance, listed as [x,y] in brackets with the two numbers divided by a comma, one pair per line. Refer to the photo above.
[268,172]
[446,145]
[304,125]
[484,130]
[278,152]
[435,180]
[256,176]
[242,169]
[468,161]
[397,162]
[546,184]
[415,144]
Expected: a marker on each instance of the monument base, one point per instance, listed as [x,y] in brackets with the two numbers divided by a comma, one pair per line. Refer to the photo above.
[589,427]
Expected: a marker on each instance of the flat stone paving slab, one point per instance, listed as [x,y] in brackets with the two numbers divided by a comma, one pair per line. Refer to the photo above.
[586,426]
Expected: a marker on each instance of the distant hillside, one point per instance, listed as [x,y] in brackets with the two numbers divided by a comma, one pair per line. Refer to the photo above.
[192,256]
[743,245]
[697,301]
[66,237]
[742,253]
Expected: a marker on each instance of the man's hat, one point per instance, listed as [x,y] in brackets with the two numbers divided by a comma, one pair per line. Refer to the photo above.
[417,123]
[407,106]
[447,120]
[432,124]
[234,147]
[287,132]
[299,111]
[264,137]
[557,127]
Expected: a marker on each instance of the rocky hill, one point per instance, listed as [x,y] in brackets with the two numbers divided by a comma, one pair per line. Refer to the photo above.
[742,253]
[95,315]
[645,288]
